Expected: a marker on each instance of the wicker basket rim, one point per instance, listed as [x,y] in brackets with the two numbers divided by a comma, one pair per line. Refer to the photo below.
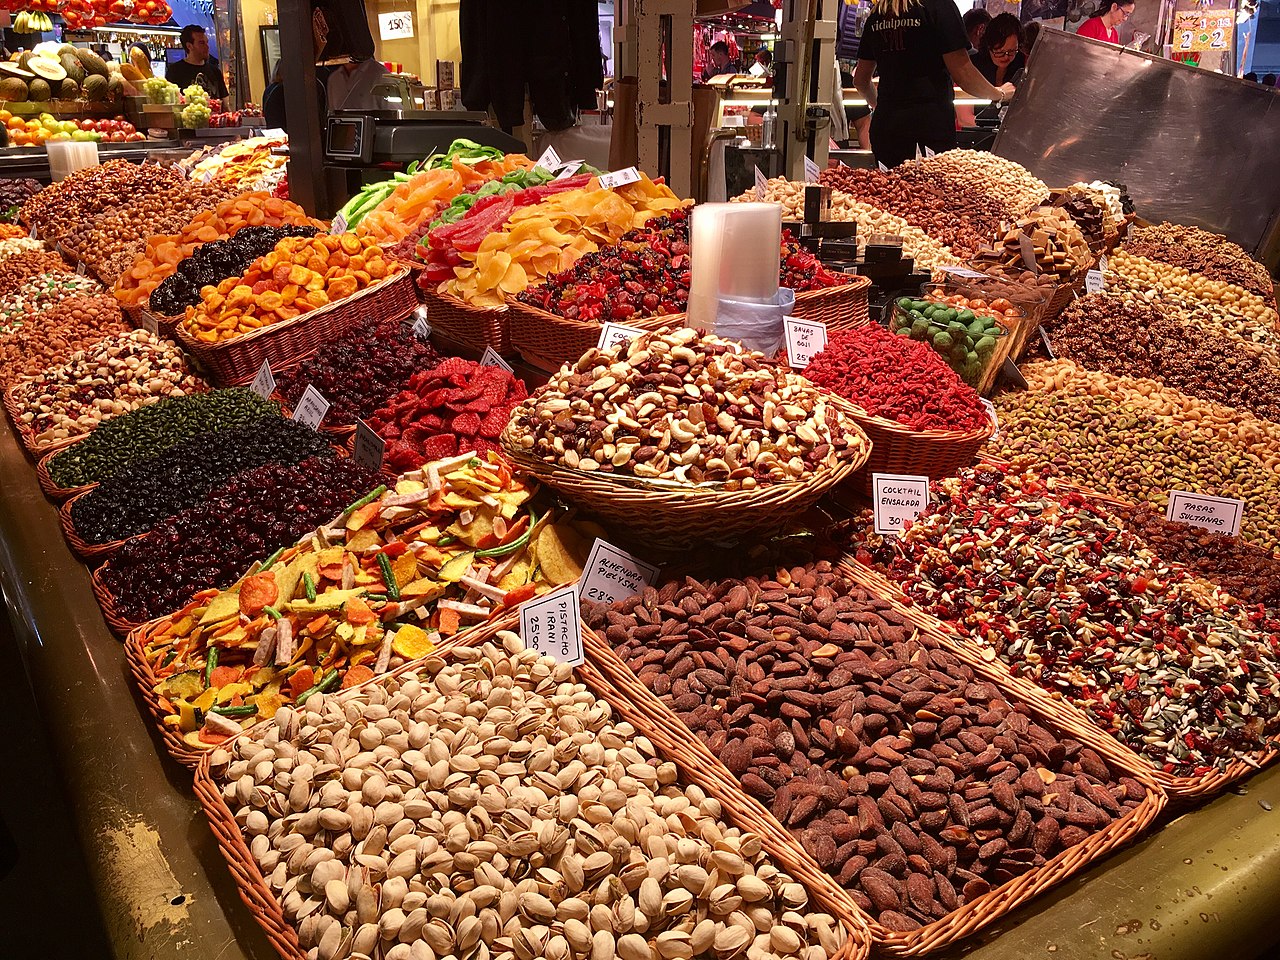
[892,426]
[459,303]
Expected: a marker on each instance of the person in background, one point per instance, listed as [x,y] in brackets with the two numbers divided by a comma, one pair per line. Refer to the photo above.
[720,62]
[196,66]
[1269,80]
[275,103]
[350,87]
[975,22]
[999,57]
[918,47]
[858,118]
[1029,33]
[1251,77]
[763,65]
[1102,25]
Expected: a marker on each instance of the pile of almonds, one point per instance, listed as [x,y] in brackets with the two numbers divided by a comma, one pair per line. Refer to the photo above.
[916,785]
[683,407]
[491,807]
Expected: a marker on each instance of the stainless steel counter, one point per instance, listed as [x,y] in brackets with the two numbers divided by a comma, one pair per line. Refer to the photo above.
[1205,885]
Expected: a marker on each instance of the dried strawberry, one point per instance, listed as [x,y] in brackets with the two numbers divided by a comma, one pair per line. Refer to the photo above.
[467,424]
[437,447]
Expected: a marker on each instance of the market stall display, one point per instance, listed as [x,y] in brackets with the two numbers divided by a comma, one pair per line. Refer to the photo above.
[1045,581]
[360,371]
[64,206]
[1200,252]
[49,338]
[32,296]
[1042,247]
[1004,182]
[1131,439]
[118,374]
[965,333]
[912,781]
[245,165]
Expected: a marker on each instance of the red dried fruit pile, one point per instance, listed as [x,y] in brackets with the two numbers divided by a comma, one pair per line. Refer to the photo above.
[896,378]
[449,409]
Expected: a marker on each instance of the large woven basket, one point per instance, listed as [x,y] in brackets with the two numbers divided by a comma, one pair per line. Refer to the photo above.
[236,361]
[26,435]
[898,449]
[47,484]
[1180,789]
[120,625]
[667,728]
[673,515]
[144,319]
[91,553]
[840,308]
[267,910]
[469,326]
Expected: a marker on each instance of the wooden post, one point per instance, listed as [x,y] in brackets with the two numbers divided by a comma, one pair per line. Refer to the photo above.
[307,185]
[665,119]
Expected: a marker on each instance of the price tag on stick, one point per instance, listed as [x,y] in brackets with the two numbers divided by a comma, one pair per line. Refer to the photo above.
[148,322]
[805,339]
[811,170]
[612,574]
[422,329]
[613,334]
[1094,282]
[549,159]
[569,169]
[490,358]
[264,384]
[1219,514]
[619,178]
[991,413]
[552,625]
[339,224]
[897,499]
[762,184]
[369,447]
[311,408]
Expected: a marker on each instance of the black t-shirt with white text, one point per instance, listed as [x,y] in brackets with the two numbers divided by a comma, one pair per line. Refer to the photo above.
[908,51]
[207,74]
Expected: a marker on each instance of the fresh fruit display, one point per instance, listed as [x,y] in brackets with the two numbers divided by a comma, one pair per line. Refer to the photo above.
[359,372]
[527,241]
[441,551]
[163,253]
[449,409]
[245,164]
[213,262]
[48,339]
[119,374]
[674,438]
[14,192]
[58,209]
[257,513]
[196,112]
[153,429]
[39,292]
[160,91]
[110,241]
[300,275]
[966,337]
[897,379]
[1046,582]
[139,497]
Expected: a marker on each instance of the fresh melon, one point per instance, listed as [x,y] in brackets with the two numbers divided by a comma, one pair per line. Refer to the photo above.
[67,48]
[95,87]
[70,90]
[115,86]
[39,89]
[91,62]
[11,88]
[47,68]
[71,64]
[24,58]
[13,70]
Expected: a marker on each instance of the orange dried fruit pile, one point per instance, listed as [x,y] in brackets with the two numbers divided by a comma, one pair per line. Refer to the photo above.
[300,275]
[164,252]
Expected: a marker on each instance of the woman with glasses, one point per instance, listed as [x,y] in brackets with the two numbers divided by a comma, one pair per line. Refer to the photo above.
[999,58]
[1102,26]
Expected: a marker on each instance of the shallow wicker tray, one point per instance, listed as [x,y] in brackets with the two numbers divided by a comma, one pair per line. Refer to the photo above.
[785,851]
[91,553]
[236,361]
[1181,790]
[119,625]
[966,919]
[51,489]
[26,435]
[670,515]
[470,326]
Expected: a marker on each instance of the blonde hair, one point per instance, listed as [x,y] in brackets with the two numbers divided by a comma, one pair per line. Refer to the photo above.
[893,8]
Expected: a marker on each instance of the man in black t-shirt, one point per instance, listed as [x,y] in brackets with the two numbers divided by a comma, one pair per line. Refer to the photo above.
[196,66]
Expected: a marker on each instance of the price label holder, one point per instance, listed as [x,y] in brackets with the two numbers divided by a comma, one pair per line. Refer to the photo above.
[612,574]
[1028,248]
[1094,282]
[311,408]
[964,272]
[148,322]
[918,154]
[1219,514]
[369,447]
[569,169]
[762,184]
[490,358]
[421,329]
[1048,347]
[81,269]
[552,625]
[928,152]
[811,170]
[805,339]
[264,384]
[897,499]
[274,133]
[991,415]
[339,224]
[619,178]
[549,159]
[208,174]
[1011,374]
[1103,262]
[613,334]
[883,168]
[35,233]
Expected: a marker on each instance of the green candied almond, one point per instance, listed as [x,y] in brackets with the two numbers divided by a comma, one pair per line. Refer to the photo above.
[942,340]
[984,346]
[920,329]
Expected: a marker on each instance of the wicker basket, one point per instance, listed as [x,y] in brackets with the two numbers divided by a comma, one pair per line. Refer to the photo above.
[120,626]
[267,910]
[666,728]
[840,308]
[236,361]
[898,449]
[25,434]
[1180,789]
[466,325]
[51,489]
[91,553]
[673,515]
